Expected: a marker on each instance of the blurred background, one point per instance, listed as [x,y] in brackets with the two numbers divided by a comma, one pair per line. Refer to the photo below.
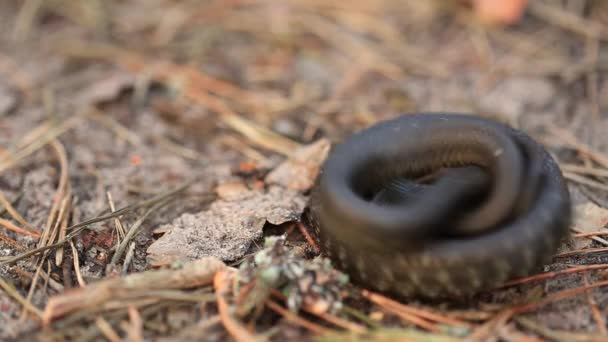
[310,68]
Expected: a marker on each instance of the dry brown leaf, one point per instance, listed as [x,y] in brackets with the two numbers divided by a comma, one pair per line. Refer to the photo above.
[228,227]
[300,171]
[235,220]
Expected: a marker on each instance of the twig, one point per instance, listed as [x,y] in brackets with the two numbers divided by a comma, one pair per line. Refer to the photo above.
[339,322]
[16,296]
[79,277]
[260,135]
[403,314]
[599,319]
[9,160]
[394,305]
[135,328]
[295,319]
[120,230]
[134,230]
[52,282]
[12,227]
[128,258]
[4,202]
[581,251]
[233,327]
[551,275]
[12,243]
[593,236]
[107,330]
[561,295]
[144,285]
[26,17]
[585,181]
[553,334]
[308,238]
[596,233]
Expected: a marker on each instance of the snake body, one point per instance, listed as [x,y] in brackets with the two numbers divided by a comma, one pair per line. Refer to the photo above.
[439,205]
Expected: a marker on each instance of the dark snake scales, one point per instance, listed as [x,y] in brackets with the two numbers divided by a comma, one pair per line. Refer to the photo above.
[439,205]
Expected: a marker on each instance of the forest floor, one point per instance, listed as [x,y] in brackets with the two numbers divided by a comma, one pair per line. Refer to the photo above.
[153,152]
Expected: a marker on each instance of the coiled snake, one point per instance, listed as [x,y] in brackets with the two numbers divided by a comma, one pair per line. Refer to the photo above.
[439,205]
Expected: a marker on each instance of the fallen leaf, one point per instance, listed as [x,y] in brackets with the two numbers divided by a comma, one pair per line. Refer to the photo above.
[227,228]
[300,171]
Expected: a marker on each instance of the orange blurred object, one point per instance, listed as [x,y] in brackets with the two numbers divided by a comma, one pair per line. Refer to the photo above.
[135,160]
[501,12]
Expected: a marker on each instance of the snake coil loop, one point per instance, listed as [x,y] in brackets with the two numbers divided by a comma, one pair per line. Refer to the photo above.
[439,205]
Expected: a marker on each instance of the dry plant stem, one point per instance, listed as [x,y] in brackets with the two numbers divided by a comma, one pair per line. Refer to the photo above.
[596,233]
[34,283]
[12,227]
[599,319]
[62,224]
[556,297]
[79,277]
[26,18]
[394,305]
[128,258]
[27,305]
[353,327]
[590,171]
[106,330]
[134,230]
[551,275]
[591,236]
[178,149]
[585,181]
[100,294]
[59,200]
[120,230]
[221,282]
[339,322]
[52,282]
[308,238]
[570,140]
[79,227]
[295,319]
[33,135]
[135,328]
[4,202]
[113,125]
[555,335]
[581,251]
[486,330]
[18,77]
[260,135]
[10,160]
[11,243]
